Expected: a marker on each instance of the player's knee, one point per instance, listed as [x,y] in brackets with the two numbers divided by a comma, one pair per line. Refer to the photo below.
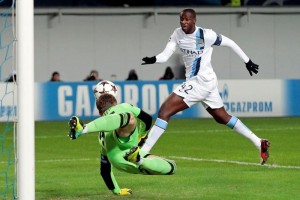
[164,115]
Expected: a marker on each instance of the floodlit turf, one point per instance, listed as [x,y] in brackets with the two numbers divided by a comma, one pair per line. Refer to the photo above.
[213,162]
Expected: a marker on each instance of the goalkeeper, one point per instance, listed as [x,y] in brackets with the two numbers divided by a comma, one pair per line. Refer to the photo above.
[121,128]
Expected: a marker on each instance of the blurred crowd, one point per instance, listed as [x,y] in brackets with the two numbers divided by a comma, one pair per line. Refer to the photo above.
[156,3]
[94,76]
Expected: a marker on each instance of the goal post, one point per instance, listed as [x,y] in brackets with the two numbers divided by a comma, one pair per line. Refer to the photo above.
[25,108]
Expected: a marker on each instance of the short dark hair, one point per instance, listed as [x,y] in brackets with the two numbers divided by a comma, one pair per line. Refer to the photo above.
[104,102]
[55,73]
[189,10]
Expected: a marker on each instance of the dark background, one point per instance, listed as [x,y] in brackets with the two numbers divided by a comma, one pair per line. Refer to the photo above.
[155,3]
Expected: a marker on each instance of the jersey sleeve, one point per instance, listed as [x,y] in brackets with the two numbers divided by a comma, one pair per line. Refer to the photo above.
[144,119]
[169,49]
[107,175]
[145,122]
[226,42]
[211,37]
[130,108]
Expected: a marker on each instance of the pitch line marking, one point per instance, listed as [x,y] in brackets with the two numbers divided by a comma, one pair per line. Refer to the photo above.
[187,158]
[181,158]
[191,131]
[236,162]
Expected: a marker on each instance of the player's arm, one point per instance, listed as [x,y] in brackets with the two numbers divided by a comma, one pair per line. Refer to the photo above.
[146,120]
[164,55]
[105,123]
[109,178]
[225,41]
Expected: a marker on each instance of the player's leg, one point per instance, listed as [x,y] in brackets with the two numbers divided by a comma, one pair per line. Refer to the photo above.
[155,165]
[150,164]
[222,117]
[116,158]
[171,106]
[144,164]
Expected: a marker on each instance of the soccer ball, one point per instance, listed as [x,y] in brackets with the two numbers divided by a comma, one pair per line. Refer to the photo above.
[105,87]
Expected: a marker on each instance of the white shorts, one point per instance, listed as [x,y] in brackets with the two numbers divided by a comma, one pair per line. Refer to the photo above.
[197,90]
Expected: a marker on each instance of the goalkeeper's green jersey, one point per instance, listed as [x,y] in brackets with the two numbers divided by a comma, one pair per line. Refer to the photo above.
[109,140]
[114,148]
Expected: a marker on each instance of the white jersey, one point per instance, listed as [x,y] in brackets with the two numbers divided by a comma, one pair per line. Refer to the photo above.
[196,50]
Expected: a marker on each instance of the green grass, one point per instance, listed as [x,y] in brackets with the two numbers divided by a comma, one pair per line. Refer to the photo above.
[203,150]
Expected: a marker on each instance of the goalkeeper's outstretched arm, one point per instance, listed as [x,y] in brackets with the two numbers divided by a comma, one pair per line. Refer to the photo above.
[109,179]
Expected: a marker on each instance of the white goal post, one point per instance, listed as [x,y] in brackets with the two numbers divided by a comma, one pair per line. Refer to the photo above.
[25,108]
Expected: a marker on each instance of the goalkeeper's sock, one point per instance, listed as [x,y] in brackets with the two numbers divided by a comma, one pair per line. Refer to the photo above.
[158,166]
[239,127]
[154,134]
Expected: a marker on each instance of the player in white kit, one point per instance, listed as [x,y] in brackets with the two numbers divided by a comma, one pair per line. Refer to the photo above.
[196,46]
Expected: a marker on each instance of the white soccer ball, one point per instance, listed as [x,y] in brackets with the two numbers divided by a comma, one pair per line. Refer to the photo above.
[105,87]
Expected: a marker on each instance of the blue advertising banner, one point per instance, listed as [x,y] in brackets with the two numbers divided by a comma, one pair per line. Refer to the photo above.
[61,100]
[292,94]
[244,98]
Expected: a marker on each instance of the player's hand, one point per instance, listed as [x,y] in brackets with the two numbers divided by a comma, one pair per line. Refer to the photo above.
[124,192]
[148,60]
[252,67]
[76,127]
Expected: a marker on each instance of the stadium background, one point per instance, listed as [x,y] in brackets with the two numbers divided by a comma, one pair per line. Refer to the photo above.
[230,169]
[74,39]
[114,40]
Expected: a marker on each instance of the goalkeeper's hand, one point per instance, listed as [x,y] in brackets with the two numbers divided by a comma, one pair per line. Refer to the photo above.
[148,60]
[124,192]
[252,67]
[76,128]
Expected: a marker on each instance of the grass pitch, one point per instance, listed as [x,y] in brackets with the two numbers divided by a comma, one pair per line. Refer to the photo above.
[213,162]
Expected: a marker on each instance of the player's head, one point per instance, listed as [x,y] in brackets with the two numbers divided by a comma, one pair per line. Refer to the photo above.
[104,102]
[188,20]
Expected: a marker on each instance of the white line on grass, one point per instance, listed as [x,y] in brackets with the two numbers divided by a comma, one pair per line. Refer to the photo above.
[180,158]
[67,160]
[191,131]
[235,162]
[60,160]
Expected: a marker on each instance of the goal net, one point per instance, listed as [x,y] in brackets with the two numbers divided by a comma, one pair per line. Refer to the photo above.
[8,95]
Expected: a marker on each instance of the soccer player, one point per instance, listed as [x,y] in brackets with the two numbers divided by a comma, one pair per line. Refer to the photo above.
[196,46]
[121,127]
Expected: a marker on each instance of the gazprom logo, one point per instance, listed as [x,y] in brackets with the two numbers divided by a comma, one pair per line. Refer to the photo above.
[245,106]
[225,92]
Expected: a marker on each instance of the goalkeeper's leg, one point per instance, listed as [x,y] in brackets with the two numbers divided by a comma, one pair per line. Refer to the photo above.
[155,165]
[150,164]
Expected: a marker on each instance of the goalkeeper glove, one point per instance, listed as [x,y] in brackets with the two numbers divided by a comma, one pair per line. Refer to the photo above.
[148,60]
[252,67]
[76,128]
[124,192]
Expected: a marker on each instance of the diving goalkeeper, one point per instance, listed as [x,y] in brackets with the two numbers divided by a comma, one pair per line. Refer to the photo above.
[121,128]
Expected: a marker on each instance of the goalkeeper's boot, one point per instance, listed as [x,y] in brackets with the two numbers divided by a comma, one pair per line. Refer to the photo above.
[264,150]
[76,127]
[133,155]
